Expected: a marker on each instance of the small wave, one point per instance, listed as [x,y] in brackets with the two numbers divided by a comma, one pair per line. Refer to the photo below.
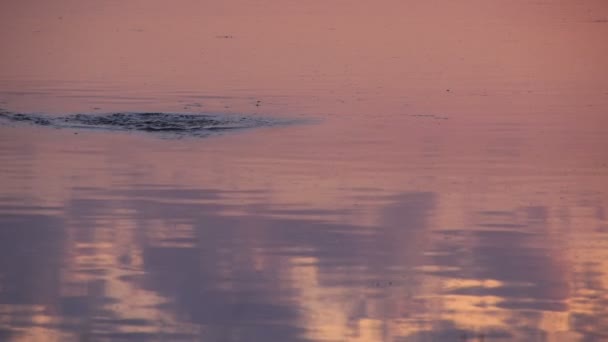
[167,123]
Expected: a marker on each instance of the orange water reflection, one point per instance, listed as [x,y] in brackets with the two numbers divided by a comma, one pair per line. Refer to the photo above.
[141,246]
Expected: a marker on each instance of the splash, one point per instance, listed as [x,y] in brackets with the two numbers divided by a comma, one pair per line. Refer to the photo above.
[167,123]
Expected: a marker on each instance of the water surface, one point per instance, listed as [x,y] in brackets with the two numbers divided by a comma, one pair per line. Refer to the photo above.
[449,182]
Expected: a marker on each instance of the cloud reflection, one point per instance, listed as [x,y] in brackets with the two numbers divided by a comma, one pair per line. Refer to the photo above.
[139,264]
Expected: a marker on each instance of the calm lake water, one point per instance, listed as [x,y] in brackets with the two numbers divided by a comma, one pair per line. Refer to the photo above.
[444,176]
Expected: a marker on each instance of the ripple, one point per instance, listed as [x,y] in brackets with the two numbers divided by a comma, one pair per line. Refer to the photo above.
[167,123]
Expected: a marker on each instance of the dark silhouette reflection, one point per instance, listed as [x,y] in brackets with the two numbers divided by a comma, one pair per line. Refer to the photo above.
[162,263]
[31,253]
[187,272]
[213,276]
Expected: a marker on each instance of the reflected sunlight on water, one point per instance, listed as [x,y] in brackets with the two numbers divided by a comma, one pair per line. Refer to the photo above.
[448,183]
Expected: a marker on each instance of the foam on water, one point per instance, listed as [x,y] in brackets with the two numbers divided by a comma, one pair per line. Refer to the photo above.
[167,123]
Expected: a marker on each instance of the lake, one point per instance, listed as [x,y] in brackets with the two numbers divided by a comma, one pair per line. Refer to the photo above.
[400,171]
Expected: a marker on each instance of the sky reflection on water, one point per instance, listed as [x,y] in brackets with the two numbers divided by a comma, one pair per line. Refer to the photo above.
[119,256]
[445,179]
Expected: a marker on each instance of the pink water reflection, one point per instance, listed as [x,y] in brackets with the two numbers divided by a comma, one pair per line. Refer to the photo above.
[448,184]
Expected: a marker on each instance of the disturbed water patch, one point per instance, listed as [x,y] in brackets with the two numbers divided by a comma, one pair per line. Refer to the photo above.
[168,124]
